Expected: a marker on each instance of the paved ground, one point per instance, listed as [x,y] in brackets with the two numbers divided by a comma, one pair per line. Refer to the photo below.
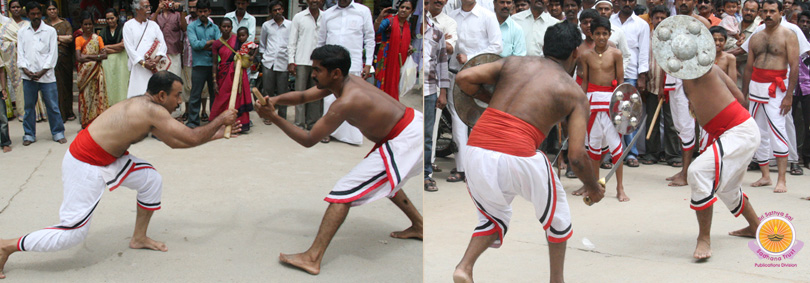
[649,239]
[229,208]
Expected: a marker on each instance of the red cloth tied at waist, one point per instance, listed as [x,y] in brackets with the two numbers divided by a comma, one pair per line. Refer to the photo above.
[731,116]
[593,87]
[775,77]
[85,149]
[595,109]
[500,131]
[401,124]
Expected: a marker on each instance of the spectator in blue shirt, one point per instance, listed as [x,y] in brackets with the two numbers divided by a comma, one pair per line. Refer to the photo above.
[201,34]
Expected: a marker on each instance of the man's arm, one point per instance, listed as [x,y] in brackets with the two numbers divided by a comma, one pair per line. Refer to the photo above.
[368,45]
[493,37]
[732,68]
[792,51]
[162,47]
[643,58]
[292,43]
[176,135]
[196,43]
[330,121]
[578,157]
[50,58]
[470,80]
[585,73]
[263,37]
[749,68]
[731,84]
[130,44]
[299,97]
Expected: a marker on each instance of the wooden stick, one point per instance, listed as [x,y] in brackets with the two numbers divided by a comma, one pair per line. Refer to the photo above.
[259,97]
[237,78]
[655,118]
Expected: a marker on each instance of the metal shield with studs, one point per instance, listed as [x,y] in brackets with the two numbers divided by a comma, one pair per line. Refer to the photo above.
[683,47]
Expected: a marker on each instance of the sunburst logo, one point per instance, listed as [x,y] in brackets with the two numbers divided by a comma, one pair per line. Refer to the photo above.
[776,238]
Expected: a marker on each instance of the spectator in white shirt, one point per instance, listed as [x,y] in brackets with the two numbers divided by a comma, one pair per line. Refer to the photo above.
[273,46]
[36,58]
[443,22]
[534,23]
[478,32]
[637,32]
[303,37]
[241,18]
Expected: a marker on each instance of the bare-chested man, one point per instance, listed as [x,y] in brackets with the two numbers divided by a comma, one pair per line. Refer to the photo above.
[602,71]
[766,81]
[397,156]
[98,159]
[718,172]
[679,105]
[501,156]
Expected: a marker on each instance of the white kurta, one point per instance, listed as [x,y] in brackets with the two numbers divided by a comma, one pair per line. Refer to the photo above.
[138,39]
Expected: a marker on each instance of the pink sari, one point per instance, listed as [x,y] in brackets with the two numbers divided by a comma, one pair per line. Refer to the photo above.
[225,81]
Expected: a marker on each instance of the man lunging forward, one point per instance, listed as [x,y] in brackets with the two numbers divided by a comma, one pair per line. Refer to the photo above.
[396,156]
[98,159]
[501,157]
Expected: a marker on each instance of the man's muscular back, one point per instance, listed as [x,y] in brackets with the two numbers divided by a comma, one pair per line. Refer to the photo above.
[770,48]
[711,93]
[126,123]
[366,107]
[536,90]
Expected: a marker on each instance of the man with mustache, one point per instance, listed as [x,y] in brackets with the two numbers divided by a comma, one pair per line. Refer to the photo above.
[514,43]
[98,159]
[774,49]
[750,22]
[706,10]
[571,10]
[555,9]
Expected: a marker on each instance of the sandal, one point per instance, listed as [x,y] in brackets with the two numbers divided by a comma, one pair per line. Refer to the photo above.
[631,162]
[71,117]
[436,168]
[267,122]
[675,163]
[326,140]
[796,170]
[430,185]
[570,173]
[648,161]
[606,165]
[204,117]
[456,177]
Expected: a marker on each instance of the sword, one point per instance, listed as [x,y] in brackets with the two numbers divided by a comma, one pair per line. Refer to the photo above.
[560,153]
[604,180]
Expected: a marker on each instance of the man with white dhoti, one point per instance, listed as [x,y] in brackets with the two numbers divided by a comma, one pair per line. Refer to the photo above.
[145,46]
[348,24]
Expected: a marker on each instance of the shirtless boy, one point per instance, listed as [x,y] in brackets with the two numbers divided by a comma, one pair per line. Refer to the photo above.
[726,61]
[602,71]
[397,155]
[98,159]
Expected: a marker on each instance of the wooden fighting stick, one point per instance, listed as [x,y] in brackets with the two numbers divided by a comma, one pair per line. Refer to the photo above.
[655,117]
[232,102]
[258,95]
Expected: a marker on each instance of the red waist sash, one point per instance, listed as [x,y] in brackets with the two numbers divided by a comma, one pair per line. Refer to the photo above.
[775,77]
[401,124]
[593,87]
[731,116]
[85,149]
[500,131]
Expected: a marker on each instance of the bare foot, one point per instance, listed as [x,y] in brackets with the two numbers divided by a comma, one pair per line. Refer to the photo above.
[410,233]
[780,188]
[6,149]
[764,181]
[673,176]
[703,249]
[747,232]
[4,254]
[677,180]
[459,276]
[147,243]
[622,196]
[807,198]
[579,192]
[301,261]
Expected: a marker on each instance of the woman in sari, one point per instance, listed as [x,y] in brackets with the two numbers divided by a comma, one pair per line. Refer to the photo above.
[224,52]
[115,67]
[395,32]
[91,82]
[64,64]
[8,50]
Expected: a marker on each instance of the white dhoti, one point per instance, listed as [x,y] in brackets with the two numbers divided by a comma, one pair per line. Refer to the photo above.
[386,168]
[495,178]
[718,172]
[138,80]
[139,39]
[602,134]
[460,130]
[83,186]
[772,125]
[683,121]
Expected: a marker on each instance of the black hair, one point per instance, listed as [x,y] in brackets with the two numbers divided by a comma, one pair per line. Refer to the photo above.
[243,29]
[777,2]
[600,22]
[203,4]
[32,5]
[805,13]
[111,10]
[659,9]
[413,5]
[588,14]
[226,19]
[755,1]
[162,81]
[333,57]
[579,3]
[804,5]
[731,1]
[720,30]
[561,39]
[51,3]
[85,15]
[274,3]
[12,1]
[640,9]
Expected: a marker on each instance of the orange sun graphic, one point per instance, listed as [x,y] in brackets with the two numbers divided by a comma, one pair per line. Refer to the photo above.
[775,235]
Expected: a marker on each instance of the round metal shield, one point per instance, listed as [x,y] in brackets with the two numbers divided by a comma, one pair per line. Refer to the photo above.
[626,108]
[683,47]
[470,109]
